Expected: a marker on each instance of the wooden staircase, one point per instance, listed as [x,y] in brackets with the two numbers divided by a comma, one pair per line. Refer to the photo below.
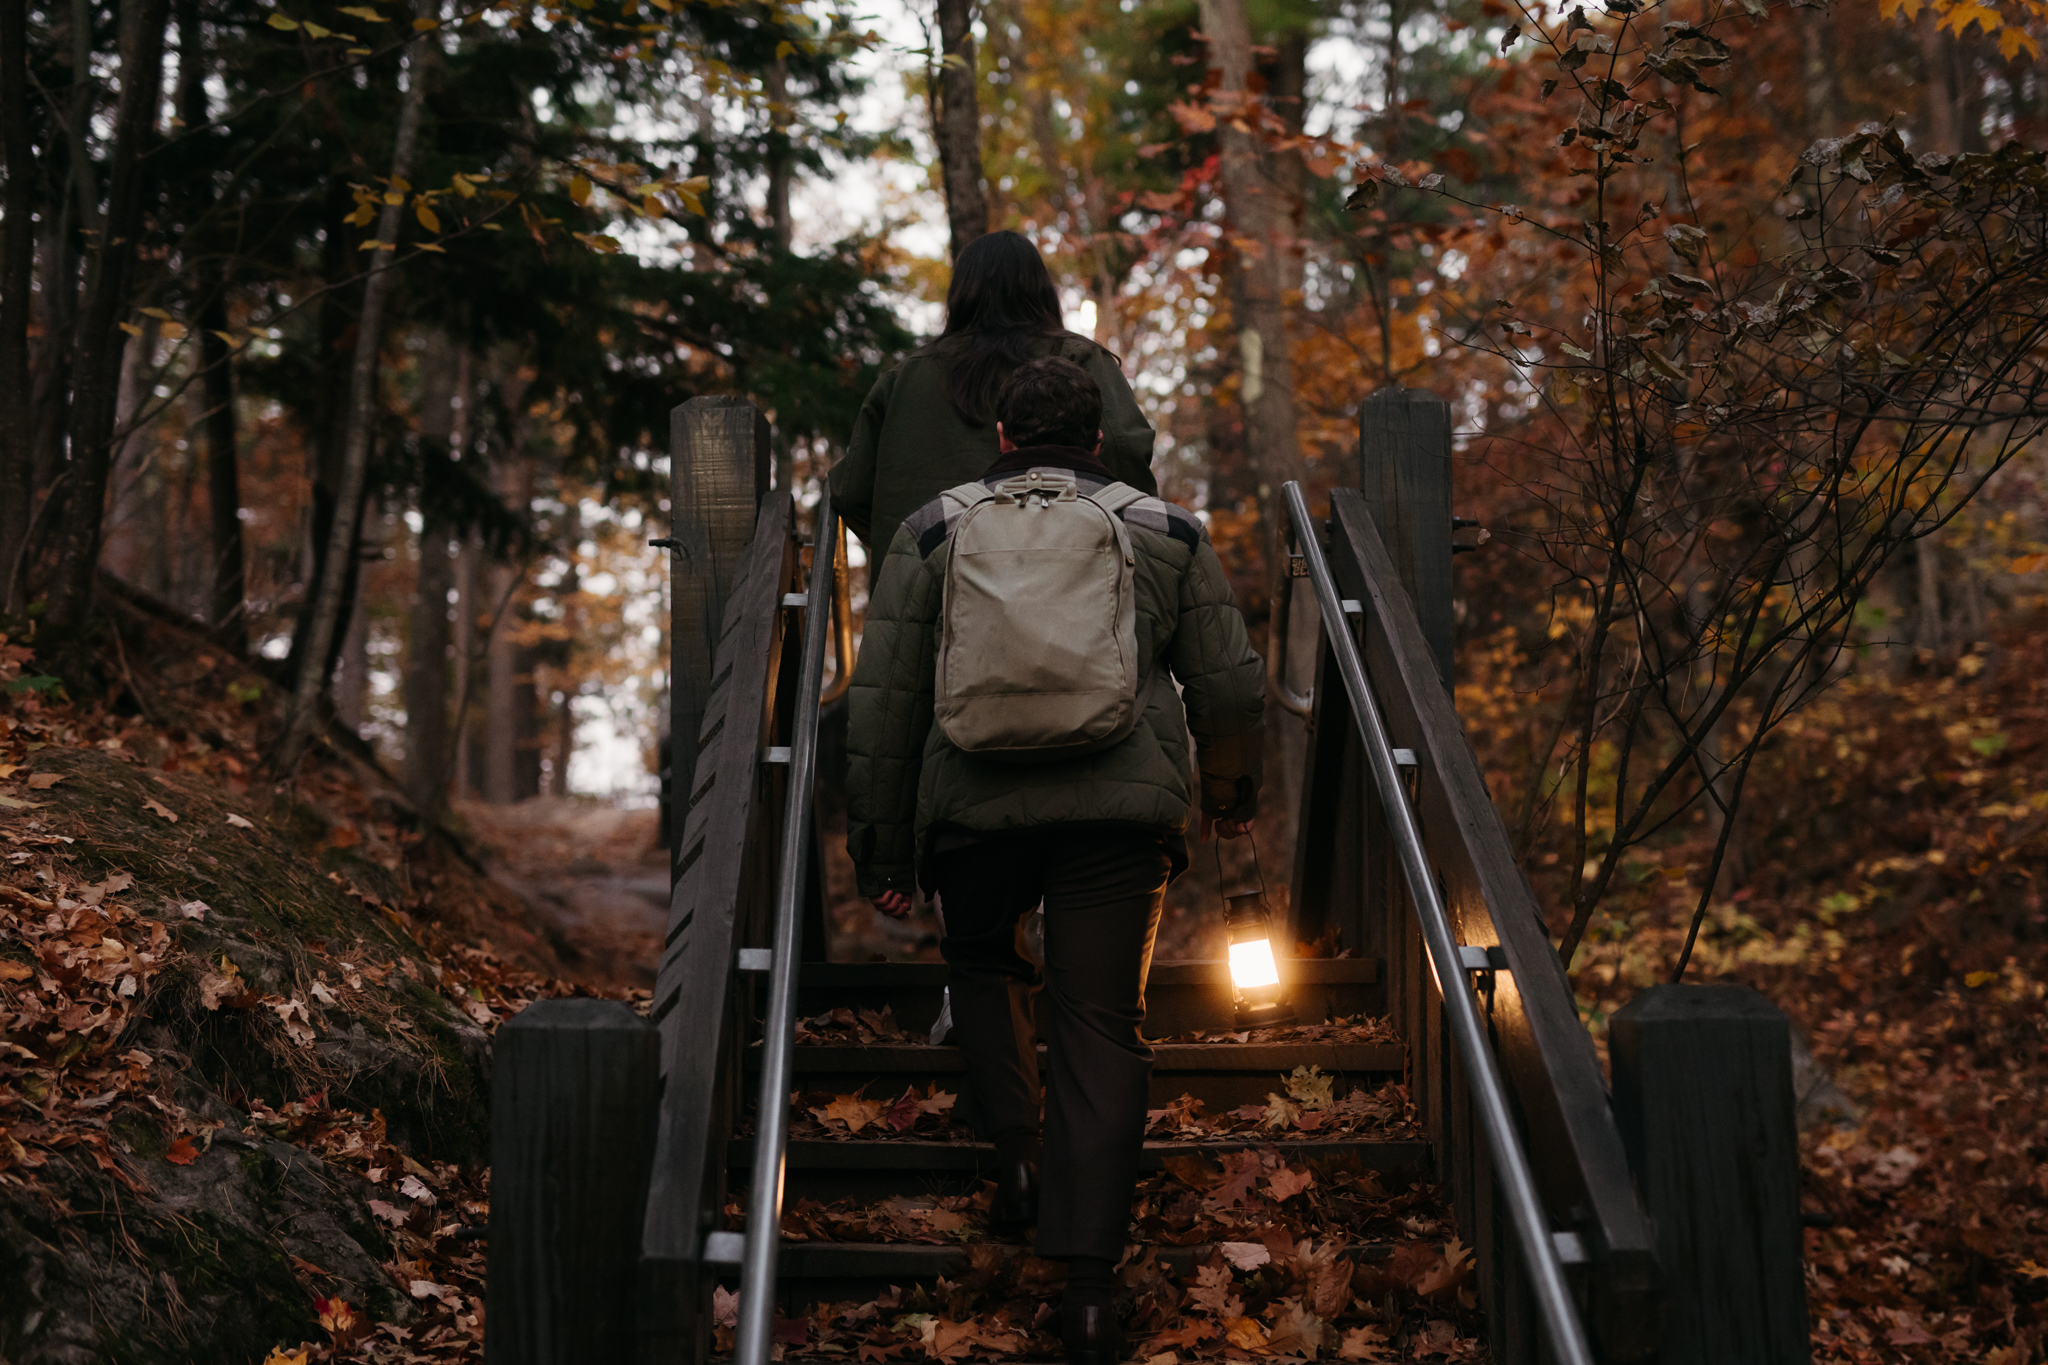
[1185,999]
[1440,1085]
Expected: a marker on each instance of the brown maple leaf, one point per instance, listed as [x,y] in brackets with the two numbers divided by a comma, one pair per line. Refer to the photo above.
[1240,1173]
[1296,1331]
[1287,1182]
[1450,1271]
[851,1111]
[1363,1343]
[1211,1289]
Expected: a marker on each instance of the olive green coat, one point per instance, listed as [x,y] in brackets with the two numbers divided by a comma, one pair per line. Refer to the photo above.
[905,780]
[910,444]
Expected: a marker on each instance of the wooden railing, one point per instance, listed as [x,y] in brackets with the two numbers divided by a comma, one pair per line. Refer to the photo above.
[1347,875]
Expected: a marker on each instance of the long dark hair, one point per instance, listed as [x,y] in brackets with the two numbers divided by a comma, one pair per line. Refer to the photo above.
[1001,303]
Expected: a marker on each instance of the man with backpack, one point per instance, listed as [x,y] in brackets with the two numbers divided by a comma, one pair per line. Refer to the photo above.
[1016,737]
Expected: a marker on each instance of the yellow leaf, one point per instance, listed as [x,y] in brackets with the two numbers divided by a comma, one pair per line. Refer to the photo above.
[784,49]
[228,337]
[359,52]
[364,13]
[460,184]
[317,30]
[429,220]
[372,244]
[365,211]
[280,22]
[435,247]
[1898,9]
[2012,39]
[393,197]
[1976,979]
[579,190]
[494,227]
[399,182]
[607,244]
[665,6]
[425,25]
[650,207]
[173,331]
[1245,1334]
[131,329]
[1963,15]
[157,313]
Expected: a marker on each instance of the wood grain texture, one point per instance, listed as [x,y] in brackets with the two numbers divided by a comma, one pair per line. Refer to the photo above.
[722,886]
[1404,463]
[1703,1090]
[718,474]
[1552,1073]
[572,1132]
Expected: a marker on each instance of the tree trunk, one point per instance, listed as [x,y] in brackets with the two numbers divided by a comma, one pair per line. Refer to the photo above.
[959,125]
[352,663]
[136,544]
[338,324]
[1937,80]
[96,369]
[779,162]
[311,684]
[17,265]
[503,693]
[444,409]
[223,480]
[466,610]
[1257,206]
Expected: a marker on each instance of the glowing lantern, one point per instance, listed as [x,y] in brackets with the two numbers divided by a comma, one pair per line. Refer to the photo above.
[1254,974]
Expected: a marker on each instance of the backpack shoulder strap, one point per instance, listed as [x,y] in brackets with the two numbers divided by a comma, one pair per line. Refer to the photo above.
[1114,498]
[968,494]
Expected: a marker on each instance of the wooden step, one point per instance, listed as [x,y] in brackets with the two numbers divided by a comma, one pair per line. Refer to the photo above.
[1181,997]
[826,1170]
[836,1272]
[1221,1075]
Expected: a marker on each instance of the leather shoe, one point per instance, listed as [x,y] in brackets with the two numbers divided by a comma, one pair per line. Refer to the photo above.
[1090,1333]
[1014,1206]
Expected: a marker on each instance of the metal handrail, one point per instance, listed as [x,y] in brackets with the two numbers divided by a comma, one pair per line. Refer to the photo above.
[1301,704]
[771,1124]
[1489,1096]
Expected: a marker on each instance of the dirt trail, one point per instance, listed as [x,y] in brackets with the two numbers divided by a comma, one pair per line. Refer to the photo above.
[595,879]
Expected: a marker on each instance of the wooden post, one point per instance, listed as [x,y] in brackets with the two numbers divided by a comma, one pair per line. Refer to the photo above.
[1404,465]
[1703,1095]
[572,1133]
[718,474]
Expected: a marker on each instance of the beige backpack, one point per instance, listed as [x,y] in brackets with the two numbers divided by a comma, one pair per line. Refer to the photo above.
[1038,636]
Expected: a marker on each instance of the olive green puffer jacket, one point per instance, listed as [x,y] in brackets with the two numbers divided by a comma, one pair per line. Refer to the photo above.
[905,780]
[910,445]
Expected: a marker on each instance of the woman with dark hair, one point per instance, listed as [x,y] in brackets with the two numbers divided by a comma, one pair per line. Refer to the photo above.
[929,423]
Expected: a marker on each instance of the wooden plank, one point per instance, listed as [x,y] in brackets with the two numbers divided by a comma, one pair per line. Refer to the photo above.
[718,890]
[1404,463]
[572,1125]
[1320,831]
[1703,1091]
[1545,1054]
[718,474]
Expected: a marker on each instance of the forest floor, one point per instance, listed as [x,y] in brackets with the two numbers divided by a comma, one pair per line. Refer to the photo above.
[173,1032]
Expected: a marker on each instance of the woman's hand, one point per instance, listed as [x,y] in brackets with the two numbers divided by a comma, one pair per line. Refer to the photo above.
[894,904]
[1225,829]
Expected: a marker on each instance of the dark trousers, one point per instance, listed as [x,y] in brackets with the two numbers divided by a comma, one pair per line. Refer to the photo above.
[1102,890]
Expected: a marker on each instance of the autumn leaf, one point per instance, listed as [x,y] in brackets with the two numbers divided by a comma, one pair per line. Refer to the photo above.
[1245,1334]
[1287,1182]
[904,1114]
[239,823]
[1296,1331]
[1310,1088]
[278,21]
[579,190]
[1240,1173]
[1451,1270]
[182,1152]
[850,1111]
[1213,1286]
[390,1213]
[1280,1113]
[44,781]
[364,13]
[155,807]
[429,220]
[279,1356]
[1363,1343]
[1245,1255]
[15,971]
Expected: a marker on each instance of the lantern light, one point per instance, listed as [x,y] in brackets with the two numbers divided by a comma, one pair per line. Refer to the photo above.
[1259,996]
